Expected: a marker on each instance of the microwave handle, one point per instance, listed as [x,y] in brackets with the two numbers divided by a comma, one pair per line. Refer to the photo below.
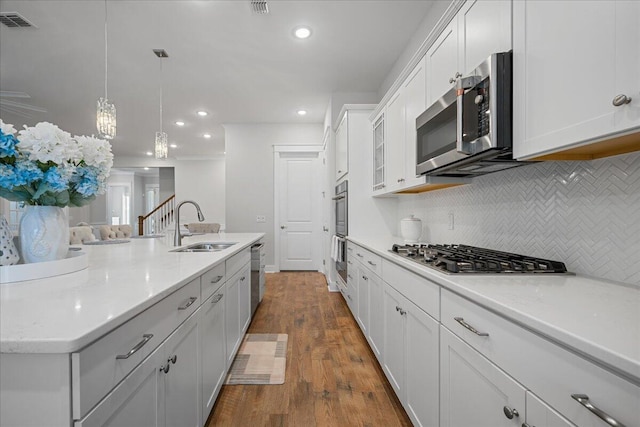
[462,85]
[338,198]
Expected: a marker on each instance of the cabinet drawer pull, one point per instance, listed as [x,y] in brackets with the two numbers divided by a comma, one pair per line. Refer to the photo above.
[187,304]
[349,276]
[402,312]
[583,399]
[527,425]
[173,359]
[620,100]
[145,339]
[165,368]
[359,254]
[350,249]
[372,263]
[217,298]
[242,278]
[216,279]
[510,412]
[349,262]
[469,327]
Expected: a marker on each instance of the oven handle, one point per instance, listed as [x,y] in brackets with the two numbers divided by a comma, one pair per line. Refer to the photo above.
[338,197]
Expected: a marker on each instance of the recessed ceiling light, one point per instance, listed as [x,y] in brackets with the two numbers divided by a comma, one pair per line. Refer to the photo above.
[146,168]
[149,153]
[202,113]
[302,112]
[180,123]
[207,135]
[302,32]
[173,145]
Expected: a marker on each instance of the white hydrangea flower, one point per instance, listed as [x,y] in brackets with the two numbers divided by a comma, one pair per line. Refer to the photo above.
[7,128]
[95,152]
[46,142]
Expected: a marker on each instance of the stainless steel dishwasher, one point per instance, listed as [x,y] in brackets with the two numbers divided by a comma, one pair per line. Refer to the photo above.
[257,275]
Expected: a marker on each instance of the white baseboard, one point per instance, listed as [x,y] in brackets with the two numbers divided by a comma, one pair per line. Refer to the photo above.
[271,269]
[332,286]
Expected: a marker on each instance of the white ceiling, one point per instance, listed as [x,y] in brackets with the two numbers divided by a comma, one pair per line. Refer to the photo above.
[239,66]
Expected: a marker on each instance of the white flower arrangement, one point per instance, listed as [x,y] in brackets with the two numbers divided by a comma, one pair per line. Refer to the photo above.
[44,165]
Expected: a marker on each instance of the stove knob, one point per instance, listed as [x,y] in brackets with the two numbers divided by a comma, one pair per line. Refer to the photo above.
[478,99]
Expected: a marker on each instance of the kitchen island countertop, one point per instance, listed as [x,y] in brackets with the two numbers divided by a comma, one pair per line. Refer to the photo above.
[593,317]
[65,313]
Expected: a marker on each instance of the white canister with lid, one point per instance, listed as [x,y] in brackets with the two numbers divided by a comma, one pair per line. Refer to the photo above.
[411,229]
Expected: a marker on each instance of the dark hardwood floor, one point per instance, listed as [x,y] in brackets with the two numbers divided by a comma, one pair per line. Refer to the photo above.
[332,377]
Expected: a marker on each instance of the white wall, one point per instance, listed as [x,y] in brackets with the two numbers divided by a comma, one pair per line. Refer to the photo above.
[249,173]
[202,181]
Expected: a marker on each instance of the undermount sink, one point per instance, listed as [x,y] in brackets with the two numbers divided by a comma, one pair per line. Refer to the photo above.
[206,247]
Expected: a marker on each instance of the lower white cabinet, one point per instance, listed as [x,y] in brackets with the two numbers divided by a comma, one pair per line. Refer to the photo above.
[411,356]
[212,347]
[237,304]
[362,315]
[181,374]
[376,318]
[474,391]
[163,391]
[539,414]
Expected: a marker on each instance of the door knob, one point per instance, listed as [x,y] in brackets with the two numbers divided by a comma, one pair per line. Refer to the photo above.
[620,100]
[510,412]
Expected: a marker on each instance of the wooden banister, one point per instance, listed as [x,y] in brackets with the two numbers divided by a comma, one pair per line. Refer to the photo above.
[166,218]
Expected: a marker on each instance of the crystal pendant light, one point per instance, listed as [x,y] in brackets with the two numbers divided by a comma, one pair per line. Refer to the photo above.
[106,115]
[161,145]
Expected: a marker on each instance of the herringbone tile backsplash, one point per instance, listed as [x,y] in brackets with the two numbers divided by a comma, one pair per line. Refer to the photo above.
[586,214]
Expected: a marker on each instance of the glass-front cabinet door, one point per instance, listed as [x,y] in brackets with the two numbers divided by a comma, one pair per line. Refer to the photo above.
[378,153]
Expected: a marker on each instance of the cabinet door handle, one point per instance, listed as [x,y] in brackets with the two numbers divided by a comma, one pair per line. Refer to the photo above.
[527,425]
[469,327]
[217,298]
[349,262]
[173,359]
[349,276]
[510,412]
[216,279]
[187,304]
[242,278]
[583,399]
[365,277]
[350,249]
[620,100]
[372,263]
[360,255]
[402,312]
[165,368]
[145,339]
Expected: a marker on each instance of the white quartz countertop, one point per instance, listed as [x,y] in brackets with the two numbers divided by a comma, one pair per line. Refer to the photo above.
[63,314]
[594,317]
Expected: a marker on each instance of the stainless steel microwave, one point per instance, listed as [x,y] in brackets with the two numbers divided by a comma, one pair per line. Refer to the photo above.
[468,132]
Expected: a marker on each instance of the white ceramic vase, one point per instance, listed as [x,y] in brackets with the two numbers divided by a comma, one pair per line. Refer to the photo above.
[8,253]
[411,229]
[44,234]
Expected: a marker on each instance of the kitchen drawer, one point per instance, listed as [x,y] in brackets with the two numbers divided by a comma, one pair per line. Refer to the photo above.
[550,371]
[212,280]
[96,369]
[422,292]
[368,259]
[236,262]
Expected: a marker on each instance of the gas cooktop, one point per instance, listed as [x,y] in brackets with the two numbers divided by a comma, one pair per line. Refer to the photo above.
[453,259]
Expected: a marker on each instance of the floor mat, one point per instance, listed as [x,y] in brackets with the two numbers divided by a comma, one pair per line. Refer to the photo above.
[261,359]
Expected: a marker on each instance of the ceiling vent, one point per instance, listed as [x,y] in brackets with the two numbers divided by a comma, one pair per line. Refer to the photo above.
[259,7]
[15,20]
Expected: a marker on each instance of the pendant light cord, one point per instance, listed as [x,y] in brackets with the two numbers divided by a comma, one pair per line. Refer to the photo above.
[106,70]
[161,95]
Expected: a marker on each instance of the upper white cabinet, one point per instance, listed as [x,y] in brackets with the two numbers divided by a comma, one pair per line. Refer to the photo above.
[342,148]
[480,28]
[379,172]
[394,121]
[576,64]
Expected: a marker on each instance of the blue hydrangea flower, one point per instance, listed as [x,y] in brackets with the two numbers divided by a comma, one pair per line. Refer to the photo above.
[57,179]
[7,145]
[7,176]
[27,172]
[86,181]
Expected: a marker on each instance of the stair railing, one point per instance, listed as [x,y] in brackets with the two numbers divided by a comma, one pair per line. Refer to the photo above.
[157,221]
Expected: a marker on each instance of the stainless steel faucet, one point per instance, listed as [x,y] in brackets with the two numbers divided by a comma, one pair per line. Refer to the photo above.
[177,237]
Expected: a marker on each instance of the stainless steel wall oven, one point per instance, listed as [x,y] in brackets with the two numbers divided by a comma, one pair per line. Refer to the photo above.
[342,228]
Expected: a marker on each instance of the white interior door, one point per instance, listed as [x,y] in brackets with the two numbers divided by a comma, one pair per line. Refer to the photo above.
[298,210]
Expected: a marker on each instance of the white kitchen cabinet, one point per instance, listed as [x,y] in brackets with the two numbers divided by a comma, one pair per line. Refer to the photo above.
[395,122]
[415,99]
[379,169]
[244,308]
[474,391]
[342,148]
[411,356]
[574,57]
[376,316]
[235,313]
[213,350]
[137,401]
[163,391]
[182,382]
[539,414]
[363,299]
[480,28]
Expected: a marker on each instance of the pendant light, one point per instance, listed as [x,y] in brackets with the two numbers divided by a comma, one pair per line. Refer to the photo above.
[106,115]
[161,145]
